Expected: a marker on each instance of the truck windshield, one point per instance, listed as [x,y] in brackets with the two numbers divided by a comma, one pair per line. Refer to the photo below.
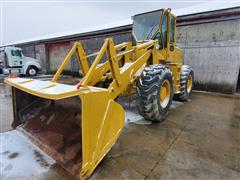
[146,25]
[17,53]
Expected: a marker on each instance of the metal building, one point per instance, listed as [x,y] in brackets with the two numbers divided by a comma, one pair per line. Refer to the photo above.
[210,40]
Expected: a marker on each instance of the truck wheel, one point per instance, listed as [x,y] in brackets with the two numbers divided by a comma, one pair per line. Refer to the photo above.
[186,83]
[155,92]
[32,71]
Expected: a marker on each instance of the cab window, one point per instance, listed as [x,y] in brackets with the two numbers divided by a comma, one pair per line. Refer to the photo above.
[172,30]
[164,30]
[16,53]
[146,25]
[158,37]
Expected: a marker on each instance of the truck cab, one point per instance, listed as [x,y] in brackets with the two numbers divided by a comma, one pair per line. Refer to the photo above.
[14,61]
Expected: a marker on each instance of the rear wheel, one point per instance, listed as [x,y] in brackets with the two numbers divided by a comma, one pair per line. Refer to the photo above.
[186,84]
[155,92]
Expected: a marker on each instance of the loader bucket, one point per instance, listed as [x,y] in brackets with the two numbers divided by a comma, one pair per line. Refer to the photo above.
[76,127]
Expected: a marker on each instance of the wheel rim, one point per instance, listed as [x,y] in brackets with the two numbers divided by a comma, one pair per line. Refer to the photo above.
[165,92]
[32,72]
[189,83]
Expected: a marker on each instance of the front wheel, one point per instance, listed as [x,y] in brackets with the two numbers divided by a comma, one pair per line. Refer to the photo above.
[32,71]
[155,92]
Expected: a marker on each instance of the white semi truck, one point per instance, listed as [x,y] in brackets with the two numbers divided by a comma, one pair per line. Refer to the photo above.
[12,61]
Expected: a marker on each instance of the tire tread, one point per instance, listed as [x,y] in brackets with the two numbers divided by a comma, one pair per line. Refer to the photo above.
[147,92]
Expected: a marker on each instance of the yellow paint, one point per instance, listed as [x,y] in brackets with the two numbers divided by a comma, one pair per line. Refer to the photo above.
[165,93]
[82,59]
[102,116]
[102,122]
[41,94]
[26,81]
[189,83]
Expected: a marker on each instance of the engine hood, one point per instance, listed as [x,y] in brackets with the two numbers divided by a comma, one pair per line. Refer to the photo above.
[31,59]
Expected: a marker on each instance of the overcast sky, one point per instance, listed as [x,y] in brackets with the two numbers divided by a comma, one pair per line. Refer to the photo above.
[27,19]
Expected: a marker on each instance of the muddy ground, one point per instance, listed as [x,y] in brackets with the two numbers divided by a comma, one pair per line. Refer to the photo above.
[200,139]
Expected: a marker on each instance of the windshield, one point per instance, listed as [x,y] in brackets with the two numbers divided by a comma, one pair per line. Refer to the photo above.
[146,25]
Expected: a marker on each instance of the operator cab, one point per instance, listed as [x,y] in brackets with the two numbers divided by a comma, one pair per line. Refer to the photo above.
[155,25]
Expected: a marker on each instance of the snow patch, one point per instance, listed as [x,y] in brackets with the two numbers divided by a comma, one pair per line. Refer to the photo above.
[18,156]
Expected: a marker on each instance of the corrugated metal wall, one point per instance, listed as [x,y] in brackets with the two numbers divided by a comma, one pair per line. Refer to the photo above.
[58,51]
[213,50]
[41,55]
[29,50]
[56,54]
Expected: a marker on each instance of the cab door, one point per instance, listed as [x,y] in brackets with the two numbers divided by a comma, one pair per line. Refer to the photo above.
[171,38]
[16,58]
[162,37]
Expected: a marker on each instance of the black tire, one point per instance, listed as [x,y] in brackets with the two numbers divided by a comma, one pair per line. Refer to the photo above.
[186,92]
[32,71]
[148,92]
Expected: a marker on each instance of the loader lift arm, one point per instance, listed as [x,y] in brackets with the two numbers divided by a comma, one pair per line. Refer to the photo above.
[99,110]
[97,72]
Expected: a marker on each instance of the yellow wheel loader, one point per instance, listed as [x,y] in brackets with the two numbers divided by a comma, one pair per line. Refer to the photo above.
[78,124]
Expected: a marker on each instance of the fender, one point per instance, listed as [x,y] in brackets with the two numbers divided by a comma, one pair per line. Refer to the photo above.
[31,63]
